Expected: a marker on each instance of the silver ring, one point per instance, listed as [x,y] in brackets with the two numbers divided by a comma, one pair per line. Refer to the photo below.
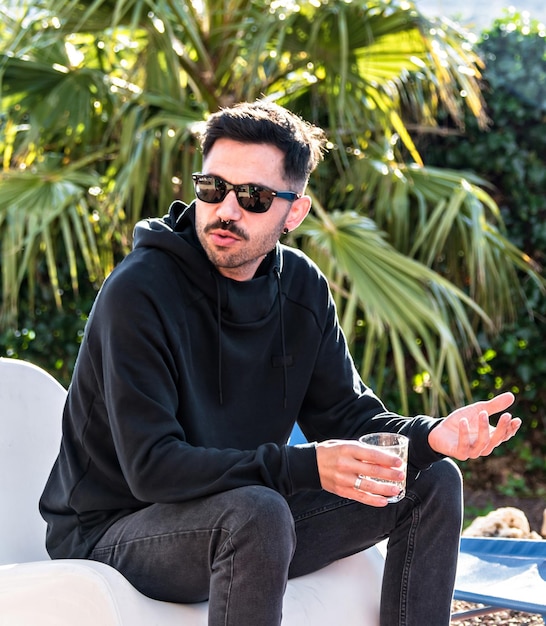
[358,482]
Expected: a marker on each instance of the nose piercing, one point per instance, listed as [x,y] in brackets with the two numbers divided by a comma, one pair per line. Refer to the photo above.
[225,223]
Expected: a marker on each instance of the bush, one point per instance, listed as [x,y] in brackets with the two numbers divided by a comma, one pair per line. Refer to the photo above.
[511,155]
[47,336]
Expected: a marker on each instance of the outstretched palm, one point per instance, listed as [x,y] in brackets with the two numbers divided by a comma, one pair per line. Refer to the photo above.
[466,433]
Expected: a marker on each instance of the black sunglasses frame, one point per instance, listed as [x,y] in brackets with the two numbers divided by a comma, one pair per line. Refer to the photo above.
[251,201]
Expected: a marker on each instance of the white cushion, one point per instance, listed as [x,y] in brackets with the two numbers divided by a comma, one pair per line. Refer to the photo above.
[87,593]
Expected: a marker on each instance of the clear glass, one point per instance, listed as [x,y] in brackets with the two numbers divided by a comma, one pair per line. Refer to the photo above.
[397,445]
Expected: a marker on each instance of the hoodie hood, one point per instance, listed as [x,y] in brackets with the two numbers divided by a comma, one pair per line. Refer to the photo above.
[241,302]
[248,303]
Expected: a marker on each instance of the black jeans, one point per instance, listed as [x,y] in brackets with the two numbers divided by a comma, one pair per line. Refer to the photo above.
[239,548]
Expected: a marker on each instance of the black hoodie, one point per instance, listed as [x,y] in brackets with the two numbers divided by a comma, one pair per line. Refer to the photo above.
[188,383]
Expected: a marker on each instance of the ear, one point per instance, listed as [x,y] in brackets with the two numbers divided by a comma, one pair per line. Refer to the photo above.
[297,213]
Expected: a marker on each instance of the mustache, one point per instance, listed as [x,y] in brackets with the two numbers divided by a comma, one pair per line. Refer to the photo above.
[231,227]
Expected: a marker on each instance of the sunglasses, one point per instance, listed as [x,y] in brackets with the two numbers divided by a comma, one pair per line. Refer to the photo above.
[253,198]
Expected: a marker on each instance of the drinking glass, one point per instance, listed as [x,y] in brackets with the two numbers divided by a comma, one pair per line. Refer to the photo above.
[397,445]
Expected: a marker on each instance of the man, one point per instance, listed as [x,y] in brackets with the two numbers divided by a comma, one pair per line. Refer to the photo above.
[204,347]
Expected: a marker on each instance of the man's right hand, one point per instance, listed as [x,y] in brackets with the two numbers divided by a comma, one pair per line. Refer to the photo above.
[341,463]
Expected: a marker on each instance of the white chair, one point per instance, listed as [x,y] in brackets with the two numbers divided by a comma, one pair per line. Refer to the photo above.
[35,591]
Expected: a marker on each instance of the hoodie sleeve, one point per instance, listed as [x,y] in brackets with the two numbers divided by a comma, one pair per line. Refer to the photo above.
[339,405]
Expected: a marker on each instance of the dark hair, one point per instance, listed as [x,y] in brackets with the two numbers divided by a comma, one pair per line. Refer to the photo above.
[268,123]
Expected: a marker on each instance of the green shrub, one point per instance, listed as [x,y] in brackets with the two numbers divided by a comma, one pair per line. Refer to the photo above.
[47,336]
[511,155]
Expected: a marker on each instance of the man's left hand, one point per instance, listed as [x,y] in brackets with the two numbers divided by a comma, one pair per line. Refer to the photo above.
[467,434]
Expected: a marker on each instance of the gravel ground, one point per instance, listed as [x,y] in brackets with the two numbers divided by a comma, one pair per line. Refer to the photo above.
[501,617]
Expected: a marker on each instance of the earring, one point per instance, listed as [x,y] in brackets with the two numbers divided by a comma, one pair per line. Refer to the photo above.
[285,231]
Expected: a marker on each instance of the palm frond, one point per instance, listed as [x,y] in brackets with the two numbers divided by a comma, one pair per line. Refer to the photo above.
[400,299]
[99,101]
[32,208]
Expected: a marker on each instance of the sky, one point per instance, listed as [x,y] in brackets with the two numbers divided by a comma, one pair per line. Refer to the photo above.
[478,14]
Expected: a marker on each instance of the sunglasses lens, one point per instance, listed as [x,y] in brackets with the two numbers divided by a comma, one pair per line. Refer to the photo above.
[210,189]
[254,199]
[213,189]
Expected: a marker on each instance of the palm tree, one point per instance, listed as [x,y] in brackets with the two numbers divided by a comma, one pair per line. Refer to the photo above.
[100,103]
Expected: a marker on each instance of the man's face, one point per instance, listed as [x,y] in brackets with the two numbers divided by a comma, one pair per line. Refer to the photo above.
[238,248]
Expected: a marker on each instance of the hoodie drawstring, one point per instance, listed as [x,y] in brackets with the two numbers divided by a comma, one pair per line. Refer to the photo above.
[283,342]
[219,322]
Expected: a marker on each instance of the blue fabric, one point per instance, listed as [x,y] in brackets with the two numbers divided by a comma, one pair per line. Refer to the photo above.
[297,436]
[507,573]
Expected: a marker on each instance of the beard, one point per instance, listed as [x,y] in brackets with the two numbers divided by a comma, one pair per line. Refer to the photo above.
[244,257]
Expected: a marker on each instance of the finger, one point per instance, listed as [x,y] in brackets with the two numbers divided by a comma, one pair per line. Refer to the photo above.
[514,426]
[463,440]
[484,437]
[391,468]
[498,403]
[379,473]
[374,455]
[505,429]
[369,499]
[374,492]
